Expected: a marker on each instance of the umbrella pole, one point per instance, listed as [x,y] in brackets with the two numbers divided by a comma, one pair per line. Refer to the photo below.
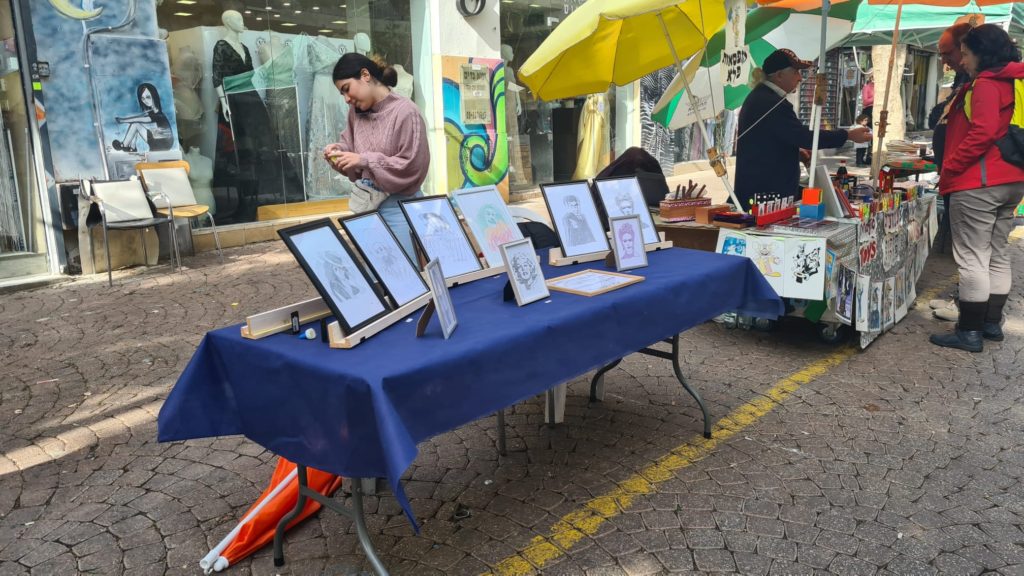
[883,116]
[700,121]
[820,89]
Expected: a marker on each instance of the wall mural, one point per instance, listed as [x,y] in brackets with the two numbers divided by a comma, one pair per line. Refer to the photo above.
[122,64]
[477,154]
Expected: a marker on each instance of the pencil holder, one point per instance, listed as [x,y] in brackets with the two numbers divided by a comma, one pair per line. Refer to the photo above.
[684,210]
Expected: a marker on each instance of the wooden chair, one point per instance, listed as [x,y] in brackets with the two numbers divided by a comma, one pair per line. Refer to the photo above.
[171,179]
[124,205]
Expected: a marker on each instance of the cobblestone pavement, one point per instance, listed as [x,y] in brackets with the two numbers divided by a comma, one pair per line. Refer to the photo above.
[901,459]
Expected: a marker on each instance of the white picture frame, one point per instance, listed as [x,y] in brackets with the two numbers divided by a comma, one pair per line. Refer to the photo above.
[489,220]
[379,248]
[623,197]
[440,235]
[442,298]
[524,271]
[575,218]
[629,253]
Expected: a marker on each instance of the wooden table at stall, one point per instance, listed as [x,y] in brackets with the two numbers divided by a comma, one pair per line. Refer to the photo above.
[688,234]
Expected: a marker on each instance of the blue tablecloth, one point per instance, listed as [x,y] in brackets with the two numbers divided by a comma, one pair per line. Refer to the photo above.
[361,412]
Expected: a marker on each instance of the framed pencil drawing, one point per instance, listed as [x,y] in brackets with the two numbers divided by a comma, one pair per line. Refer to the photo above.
[489,220]
[440,235]
[524,271]
[379,248]
[343,284]
[575,217]
[627,242]
[442,298]
[622,197]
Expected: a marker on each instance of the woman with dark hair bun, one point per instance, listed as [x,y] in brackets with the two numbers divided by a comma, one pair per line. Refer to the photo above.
[383,151]
[984,188]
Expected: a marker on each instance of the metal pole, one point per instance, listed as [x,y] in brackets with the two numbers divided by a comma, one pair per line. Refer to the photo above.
[883,116]
[693,104]
[819,93]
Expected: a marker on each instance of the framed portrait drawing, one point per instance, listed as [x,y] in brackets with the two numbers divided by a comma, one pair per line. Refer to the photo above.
[343,284]
[627,242]
[524,271]
[622,197]
[440,235]
[442,298]
[489,220]
[575,217]
[379,248]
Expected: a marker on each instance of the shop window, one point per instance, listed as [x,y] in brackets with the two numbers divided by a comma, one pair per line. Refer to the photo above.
[549,141]
[254,99]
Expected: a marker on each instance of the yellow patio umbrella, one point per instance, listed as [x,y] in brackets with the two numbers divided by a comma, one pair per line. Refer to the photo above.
[605,42]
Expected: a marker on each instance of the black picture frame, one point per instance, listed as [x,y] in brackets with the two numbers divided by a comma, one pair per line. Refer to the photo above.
[450,269]
[595,225]
[639,207]
[389,288]
[344,257]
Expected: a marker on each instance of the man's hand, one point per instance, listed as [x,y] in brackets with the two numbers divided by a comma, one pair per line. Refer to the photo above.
[859,135]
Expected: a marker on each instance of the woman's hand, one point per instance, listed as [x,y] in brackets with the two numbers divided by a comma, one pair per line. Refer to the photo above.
[346,161]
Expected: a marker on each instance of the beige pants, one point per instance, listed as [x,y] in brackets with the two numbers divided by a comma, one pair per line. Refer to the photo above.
[980,222]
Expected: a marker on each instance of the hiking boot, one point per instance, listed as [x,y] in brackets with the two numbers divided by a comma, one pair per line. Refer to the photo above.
[969,340]
[992,331]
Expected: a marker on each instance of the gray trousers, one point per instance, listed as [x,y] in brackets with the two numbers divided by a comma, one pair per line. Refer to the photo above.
[980,223]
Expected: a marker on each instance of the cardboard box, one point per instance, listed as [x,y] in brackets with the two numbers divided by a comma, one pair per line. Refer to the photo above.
[815,211]
[706,214]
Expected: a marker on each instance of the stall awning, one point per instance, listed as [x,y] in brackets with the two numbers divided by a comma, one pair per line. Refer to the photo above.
[921,26]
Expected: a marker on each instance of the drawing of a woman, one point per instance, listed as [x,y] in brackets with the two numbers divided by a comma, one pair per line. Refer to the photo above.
[151,126]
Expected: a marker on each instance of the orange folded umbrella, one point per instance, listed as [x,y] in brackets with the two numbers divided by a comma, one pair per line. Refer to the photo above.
[257,527]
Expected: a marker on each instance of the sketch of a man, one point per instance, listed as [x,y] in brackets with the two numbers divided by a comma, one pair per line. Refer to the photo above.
[626,241]
[340,276]
[389,260]
[577,231]
[440,238]
[524,270]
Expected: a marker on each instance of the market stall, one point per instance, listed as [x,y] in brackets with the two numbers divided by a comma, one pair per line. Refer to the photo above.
[845,273]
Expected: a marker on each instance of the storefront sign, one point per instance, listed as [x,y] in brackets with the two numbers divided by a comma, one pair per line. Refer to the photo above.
[475,94]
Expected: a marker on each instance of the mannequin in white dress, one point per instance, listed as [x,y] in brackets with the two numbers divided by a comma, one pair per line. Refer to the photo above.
[404,87]
[513,108]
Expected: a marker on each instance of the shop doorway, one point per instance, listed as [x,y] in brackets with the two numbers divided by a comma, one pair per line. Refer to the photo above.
[23,238]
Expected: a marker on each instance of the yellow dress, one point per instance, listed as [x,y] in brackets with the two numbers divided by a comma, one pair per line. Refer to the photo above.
[593,149]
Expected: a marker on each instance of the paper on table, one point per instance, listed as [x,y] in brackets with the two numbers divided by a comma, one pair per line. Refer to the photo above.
[592,282]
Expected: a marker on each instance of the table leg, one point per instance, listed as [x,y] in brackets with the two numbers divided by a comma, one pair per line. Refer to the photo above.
[554,404]
[354,512]
[674,357]
[283,523]
[502,446]
[597,382]
[696,396]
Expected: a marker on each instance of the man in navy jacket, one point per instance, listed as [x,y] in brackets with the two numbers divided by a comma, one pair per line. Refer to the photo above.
[771,135]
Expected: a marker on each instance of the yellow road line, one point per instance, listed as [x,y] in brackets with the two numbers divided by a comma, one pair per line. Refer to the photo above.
[575,526]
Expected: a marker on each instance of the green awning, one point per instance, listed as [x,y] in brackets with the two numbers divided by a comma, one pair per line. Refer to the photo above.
[921,26]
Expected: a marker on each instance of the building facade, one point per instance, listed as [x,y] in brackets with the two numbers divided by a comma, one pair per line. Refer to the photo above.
[242,90]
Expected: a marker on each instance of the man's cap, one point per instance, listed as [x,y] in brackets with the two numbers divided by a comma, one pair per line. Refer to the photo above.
[783,58]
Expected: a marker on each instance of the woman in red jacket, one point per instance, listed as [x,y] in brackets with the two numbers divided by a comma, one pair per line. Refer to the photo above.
[984,188]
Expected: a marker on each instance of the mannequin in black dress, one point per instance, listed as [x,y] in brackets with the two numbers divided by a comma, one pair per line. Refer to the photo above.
[254,158]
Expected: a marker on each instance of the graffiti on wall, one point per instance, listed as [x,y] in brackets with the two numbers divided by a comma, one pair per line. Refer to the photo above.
[130,72]
[477,154]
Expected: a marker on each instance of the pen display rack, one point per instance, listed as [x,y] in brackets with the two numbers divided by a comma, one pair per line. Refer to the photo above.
[766,218]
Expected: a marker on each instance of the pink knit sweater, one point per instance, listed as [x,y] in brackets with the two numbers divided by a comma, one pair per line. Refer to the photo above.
[391,139]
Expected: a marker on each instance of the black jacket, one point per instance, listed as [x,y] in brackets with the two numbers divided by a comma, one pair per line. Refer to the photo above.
[768,156]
